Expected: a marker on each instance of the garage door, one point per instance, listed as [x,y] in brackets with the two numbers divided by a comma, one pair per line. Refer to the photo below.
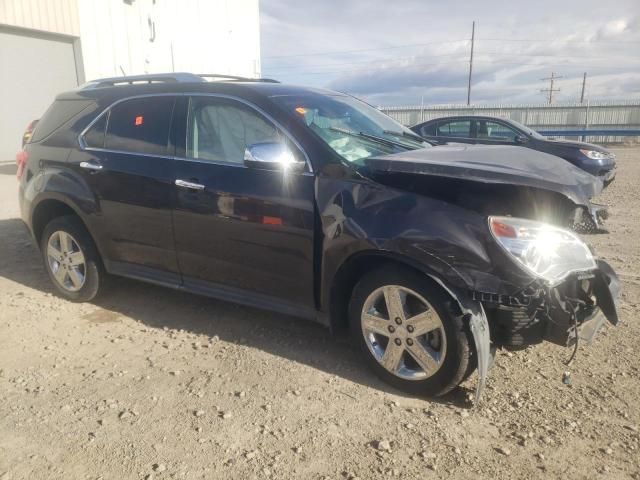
[33,70]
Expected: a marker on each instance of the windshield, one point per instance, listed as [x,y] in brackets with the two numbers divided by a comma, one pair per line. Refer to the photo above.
[353,129]
[529,131]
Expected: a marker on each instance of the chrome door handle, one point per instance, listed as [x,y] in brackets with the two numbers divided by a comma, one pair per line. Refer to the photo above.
[190,185]
[90,165]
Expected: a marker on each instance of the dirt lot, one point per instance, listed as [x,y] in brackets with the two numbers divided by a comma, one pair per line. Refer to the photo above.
[153,383]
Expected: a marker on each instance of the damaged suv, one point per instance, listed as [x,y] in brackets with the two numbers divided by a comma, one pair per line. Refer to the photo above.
[314,204]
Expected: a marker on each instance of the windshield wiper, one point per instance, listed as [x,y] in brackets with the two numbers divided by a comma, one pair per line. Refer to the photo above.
[375,138]
[412,136]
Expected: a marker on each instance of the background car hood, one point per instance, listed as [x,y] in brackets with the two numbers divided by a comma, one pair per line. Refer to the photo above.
[494,164]
[580,145]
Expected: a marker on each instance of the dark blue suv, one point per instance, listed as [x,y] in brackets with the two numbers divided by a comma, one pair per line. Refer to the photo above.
[314,204]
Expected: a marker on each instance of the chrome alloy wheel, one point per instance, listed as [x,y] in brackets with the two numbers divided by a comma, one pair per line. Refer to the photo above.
[403,332]
[66,261]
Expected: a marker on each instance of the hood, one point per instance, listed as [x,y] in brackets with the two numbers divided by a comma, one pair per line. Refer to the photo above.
[494,164]
[579,145]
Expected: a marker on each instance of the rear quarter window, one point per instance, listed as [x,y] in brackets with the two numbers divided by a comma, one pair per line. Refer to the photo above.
[140,125]
[59,113]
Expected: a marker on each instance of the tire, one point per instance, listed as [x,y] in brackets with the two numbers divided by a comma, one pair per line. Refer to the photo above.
[75,281]
[447,343]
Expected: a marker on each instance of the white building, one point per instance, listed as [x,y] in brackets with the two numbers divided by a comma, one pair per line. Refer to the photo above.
[49,46]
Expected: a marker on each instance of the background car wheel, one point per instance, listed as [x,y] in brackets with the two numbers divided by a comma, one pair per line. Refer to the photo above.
[71,259]
[405,327]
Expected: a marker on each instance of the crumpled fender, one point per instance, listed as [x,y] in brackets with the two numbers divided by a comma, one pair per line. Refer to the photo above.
[479,326]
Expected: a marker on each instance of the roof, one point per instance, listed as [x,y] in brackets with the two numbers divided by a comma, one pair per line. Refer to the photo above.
[121,87]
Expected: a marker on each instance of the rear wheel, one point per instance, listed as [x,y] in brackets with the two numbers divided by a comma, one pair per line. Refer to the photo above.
[407,332]
[71,259]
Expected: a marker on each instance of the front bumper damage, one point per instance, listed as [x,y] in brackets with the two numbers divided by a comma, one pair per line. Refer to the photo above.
[564,314]
[590,219]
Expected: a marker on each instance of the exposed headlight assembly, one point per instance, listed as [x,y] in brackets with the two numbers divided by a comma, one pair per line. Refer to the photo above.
[548,252]
[595,155]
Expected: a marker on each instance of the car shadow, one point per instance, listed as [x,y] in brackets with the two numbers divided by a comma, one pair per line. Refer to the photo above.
[8,168]
[158,307]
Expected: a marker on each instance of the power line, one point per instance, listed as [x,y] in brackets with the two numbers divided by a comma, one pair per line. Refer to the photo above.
[339,52]
[603,42]
[316,65]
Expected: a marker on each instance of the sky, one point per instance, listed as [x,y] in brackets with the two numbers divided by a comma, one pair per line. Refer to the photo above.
[406,52]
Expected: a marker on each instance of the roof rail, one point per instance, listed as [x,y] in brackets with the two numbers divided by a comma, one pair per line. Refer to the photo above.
[179,77]
[236,78]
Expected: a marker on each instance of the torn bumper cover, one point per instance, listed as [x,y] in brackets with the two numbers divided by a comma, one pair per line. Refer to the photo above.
[574,310]
[580,306]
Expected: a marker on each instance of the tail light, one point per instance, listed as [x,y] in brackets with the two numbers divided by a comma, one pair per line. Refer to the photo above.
[21,162]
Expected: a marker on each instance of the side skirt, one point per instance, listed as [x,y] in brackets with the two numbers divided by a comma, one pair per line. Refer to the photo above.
[208,289]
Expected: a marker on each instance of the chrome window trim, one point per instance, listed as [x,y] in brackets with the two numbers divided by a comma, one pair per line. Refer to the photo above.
[83,145]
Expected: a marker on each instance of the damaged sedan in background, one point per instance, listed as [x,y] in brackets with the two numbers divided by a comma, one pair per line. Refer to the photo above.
[315,204]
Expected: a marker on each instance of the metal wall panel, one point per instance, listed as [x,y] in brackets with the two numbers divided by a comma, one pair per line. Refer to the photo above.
[24,96]
[623,114]
[53,16]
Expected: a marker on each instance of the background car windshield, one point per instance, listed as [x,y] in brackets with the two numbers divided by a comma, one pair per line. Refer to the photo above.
[353,129]
[529,131]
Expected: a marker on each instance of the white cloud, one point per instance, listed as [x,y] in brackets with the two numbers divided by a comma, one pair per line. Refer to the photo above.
[517,44]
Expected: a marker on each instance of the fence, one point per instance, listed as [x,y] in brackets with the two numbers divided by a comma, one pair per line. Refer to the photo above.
[620,115]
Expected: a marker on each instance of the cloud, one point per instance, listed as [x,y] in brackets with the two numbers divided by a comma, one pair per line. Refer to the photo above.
[400,52]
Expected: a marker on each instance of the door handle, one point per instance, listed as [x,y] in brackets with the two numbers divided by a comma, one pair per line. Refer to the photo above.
[91,165]
[189,185]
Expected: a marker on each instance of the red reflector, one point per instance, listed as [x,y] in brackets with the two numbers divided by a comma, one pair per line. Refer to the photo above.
[139,120]
[500,229]
[21,162]
[271,221]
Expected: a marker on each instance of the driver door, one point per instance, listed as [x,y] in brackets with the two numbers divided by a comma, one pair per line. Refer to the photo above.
[241,231]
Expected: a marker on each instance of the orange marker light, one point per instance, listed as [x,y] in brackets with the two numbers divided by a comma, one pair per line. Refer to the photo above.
[271,220]
[139,120]
[301,110]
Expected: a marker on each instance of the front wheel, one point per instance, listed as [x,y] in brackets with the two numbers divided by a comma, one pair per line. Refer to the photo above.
[71,259]
[405,327]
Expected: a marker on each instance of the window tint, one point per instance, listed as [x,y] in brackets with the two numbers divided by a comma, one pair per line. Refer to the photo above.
[219,130]
[458,128]
[60,112]
[140,125]
[495,131]
[429,130]
[95,135]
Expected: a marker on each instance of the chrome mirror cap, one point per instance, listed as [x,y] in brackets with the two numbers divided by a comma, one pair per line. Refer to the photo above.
[271,156]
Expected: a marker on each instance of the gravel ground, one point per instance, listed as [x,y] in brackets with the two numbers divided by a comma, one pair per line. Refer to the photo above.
[152,383]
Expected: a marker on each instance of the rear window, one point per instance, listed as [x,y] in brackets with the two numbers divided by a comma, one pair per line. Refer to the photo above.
[140,125]
[59,113]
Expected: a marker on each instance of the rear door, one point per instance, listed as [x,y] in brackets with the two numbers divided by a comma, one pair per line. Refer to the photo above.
[243,231]
[127,160]
[456,130]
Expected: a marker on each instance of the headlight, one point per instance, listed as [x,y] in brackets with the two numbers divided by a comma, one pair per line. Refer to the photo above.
[595,155]
[548,252]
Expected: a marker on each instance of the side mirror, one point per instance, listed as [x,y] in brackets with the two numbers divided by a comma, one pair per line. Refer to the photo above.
[521,139]
[271,156]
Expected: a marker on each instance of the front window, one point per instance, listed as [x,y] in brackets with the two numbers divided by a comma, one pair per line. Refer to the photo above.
[353,129]
[495,131]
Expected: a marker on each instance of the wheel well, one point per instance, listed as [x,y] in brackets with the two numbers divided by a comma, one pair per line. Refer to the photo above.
[348,275]
[47,211]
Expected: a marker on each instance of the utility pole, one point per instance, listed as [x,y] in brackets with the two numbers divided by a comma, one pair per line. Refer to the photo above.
[551,90]
[473,38]
[584,83]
